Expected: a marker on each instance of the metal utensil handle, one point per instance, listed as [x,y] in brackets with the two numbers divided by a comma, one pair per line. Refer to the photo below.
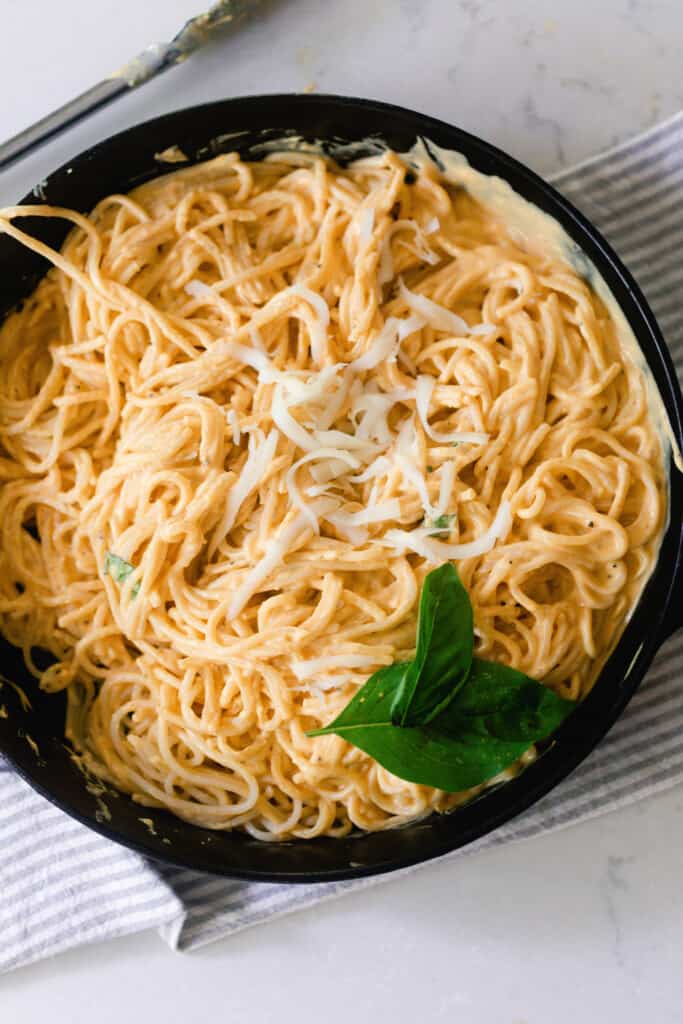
[74,110]
[158,57]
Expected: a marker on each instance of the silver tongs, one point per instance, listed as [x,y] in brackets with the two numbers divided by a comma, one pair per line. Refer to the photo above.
[151,62]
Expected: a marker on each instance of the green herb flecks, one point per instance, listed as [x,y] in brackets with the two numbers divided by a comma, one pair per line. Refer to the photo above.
[448,719]
[120,570]
[441,524]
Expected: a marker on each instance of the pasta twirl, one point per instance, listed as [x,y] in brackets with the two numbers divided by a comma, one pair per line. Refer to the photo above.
[245,413]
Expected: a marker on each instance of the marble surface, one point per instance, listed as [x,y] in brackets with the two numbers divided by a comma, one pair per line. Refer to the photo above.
[585,923]
[582,925]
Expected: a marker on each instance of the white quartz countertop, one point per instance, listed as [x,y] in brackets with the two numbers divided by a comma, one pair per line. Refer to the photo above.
[585,924]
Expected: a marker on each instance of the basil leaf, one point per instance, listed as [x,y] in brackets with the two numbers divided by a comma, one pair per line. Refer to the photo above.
[501,703]
[490,723]
[428,757]
[443,650]
[119,569]
[371,706]
[447,719]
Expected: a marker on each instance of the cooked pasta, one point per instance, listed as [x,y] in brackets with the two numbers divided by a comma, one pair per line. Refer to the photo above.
[248,409]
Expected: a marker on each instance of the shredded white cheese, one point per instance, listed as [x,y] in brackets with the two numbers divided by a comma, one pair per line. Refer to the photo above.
[338,439]
[421,248]
[356,535]
[366,224]
[372,410]
[326,471]
[404,457]
[287,424]
[424,389]
[380,513]
[316,490]
[438,316]
[233,423]
[336,455]
[386,343]
[318,331]
[378,467]
[251,476]
[325,683]
[332,406]
[199,290]
[244,354]
[385,269]
[278,548]
[311,667]
[422,543]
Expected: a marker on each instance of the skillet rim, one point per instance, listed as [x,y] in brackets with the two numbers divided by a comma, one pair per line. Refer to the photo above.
[434,836]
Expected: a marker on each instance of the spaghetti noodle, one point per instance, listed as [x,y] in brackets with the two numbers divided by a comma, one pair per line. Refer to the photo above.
[248,409]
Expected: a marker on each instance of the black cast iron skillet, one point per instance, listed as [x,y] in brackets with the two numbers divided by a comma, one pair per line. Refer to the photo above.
[127,159]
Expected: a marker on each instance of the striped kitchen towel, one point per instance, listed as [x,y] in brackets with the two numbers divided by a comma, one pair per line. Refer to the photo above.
[62,885]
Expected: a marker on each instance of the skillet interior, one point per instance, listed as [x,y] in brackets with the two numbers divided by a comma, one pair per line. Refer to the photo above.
[117,165]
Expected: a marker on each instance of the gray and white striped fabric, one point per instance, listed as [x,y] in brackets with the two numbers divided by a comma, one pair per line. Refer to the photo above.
[62,885]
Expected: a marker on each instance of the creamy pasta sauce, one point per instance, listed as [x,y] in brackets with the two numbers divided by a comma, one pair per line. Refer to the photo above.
[248,410]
